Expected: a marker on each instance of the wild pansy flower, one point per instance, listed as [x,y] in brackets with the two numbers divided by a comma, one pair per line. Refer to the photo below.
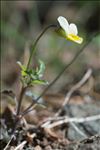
[68,31]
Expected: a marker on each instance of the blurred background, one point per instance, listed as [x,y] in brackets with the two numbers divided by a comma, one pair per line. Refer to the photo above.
[23,21]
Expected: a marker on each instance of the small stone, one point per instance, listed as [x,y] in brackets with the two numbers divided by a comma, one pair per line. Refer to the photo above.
[37,148]
[48,147]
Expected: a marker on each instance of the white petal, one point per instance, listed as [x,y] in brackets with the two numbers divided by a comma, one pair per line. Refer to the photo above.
[73,29]
[63,23]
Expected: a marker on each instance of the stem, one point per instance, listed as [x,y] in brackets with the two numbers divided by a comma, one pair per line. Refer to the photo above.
[35,43]
[59,75]
[17,119]
[20,100]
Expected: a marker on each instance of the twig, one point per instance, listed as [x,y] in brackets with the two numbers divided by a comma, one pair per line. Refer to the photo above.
[78,130]
[6,147]
[20,146]
[67,98]
[74,88]
[67,119]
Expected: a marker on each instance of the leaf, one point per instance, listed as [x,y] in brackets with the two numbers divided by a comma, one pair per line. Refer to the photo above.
[32,76]
[23,69]
[23,73]
[40,82]
[21,66]
[41,68]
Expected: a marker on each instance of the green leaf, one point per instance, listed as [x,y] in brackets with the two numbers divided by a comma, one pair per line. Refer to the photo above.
[23,73]
[32,76]
[41,69]
[40,82]
[21,66]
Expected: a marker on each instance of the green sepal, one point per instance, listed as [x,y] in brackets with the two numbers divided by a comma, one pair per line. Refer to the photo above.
[61,32]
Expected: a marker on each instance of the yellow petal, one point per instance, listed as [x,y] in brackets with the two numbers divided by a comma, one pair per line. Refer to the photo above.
[74,38]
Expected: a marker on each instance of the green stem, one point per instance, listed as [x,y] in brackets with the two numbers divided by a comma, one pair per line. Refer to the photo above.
[34,45]
[59,75]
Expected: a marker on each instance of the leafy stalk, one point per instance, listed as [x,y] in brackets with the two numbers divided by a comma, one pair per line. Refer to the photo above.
[23,89]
